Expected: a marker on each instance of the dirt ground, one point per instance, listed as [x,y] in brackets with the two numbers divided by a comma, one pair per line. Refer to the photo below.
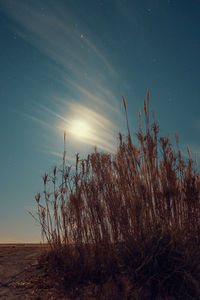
[23,278]
[20,275]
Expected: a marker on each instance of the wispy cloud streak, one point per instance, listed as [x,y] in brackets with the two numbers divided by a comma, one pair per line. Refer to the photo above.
[84,68]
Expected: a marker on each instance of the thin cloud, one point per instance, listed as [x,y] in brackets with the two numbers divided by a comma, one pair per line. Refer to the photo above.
[42,123]
[81,61]
[101,128]
[54,33]
[60,155]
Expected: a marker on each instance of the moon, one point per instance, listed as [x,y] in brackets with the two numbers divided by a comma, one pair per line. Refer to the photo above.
[80,129]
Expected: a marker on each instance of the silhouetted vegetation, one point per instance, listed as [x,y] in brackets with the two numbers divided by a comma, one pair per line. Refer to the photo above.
[128,223]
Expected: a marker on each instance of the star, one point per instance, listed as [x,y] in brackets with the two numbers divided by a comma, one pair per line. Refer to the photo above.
[149,10]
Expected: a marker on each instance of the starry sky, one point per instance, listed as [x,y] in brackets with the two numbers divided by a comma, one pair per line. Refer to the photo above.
[69,61]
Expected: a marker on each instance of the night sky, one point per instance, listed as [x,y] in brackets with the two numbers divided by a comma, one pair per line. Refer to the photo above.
[64,66]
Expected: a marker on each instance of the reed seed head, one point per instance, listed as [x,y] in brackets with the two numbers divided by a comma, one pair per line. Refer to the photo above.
[148,96]
[124,101]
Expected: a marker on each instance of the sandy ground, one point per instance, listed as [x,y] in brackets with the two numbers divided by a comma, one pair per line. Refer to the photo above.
[23,278]
[20,276]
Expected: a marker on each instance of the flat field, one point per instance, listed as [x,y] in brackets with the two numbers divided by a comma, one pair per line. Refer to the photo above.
[20,275]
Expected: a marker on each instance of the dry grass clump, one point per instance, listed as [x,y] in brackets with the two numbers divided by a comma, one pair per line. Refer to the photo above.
[132,219]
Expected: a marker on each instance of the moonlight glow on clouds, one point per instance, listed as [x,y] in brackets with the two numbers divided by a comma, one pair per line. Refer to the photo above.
[95,129]
[80,128]
[82,66]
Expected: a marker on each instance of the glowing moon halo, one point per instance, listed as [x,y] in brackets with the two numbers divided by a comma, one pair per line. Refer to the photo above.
[80,129]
